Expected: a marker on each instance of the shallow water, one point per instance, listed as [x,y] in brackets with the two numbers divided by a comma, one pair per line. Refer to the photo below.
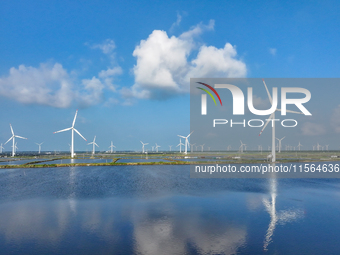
[160,210]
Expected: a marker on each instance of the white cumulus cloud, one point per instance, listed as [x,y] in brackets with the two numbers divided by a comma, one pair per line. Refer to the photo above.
[47,85]
[163,67]
[52,85]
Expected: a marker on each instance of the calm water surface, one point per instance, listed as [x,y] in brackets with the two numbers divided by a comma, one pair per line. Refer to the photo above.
[160,210]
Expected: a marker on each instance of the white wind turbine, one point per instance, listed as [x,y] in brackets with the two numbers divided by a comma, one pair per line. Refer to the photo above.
[170,147]
[1,148]
[72,131]
[143,145]
[186,142]
[241,147]
[299,146]
[157,146]
[180,145]
[112,146]
[202,147]
[15,147]
[13,138]
[94,145]
[272,117]
[39,144]
[192,147]
[280,143]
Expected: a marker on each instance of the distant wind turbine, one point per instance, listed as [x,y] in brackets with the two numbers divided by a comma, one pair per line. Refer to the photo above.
[280,143]
[157,146]
[170,147]
[202,147]
[272,117]
[72,137]
[186,142]
[112,146]
[241,147]
[13,138]
[143,145]
[180,145]
[94,145]
[299,146]
[1,148]
[39,144]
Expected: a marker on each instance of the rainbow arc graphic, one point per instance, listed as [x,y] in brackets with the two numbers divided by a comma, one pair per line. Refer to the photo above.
[204,97]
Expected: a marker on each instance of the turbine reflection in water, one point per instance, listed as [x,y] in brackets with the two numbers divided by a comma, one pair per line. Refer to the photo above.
[277,217]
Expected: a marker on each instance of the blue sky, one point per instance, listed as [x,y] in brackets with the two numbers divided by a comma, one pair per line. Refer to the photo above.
[126,64]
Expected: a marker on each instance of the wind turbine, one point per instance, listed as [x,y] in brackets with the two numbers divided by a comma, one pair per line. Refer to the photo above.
[202,147]
[327,147]
[1,148]
[280,143]
[13,138]
[144,145]
[180,145]
[192,147]
[15,147]
[157,147]
[170,147]
[299,146]
[272,117]
[112,146]
[39,144]
[186,142]
[241,147]
[72,131]
[94,145]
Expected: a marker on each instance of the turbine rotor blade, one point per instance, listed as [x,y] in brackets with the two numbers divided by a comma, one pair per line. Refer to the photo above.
[9,139]
[182,136]
[74,120]
[190,134]
[270,98]
[66,129]
[270,117]
[79,134]
[11,129]
[290,111]
[20,137]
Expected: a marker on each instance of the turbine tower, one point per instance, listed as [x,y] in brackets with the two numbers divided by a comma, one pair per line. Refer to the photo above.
[272,117]
[280,143]
[180,145]
[39,144]
[299,146]
[170,147]
[13,138]
[94,145]
[72,132]
[144,145]
[1,148]
[186,142]
[112,146]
